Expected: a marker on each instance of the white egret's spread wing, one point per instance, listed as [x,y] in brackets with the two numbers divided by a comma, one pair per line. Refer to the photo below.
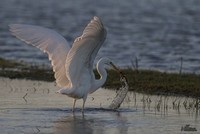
[84,50]
[49,42]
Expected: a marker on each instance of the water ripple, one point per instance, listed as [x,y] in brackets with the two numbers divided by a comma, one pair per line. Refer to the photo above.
[157,32]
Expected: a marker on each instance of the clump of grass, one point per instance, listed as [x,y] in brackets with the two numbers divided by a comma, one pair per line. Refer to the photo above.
[13,69]
[155,82]
[35,74]
[145,81]
[9,64]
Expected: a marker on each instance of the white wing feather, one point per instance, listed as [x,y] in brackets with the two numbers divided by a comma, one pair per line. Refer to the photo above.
[49,42]
[84,50]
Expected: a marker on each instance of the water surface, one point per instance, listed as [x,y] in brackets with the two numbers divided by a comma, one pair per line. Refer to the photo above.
[34,107]
[157,32]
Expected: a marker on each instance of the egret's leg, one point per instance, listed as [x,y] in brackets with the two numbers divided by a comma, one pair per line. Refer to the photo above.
[84,99]
[83,106]
[74,105]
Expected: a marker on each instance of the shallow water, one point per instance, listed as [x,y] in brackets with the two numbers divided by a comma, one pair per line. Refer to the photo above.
[158,32]
[34,107]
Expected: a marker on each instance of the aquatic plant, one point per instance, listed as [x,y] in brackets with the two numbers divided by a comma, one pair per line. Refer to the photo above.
[144,81]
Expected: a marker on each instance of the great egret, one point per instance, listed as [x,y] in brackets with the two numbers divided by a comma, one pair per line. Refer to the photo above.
[73,66]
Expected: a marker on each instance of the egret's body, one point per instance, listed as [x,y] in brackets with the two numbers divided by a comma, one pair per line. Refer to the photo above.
[73,66]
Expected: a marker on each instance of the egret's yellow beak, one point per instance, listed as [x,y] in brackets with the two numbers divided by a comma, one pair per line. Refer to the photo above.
[117,69]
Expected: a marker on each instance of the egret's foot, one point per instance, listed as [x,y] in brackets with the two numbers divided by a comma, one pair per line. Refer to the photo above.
[83,114]
[82,111]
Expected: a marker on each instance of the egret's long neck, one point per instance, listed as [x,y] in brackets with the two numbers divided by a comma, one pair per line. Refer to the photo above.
[103,76]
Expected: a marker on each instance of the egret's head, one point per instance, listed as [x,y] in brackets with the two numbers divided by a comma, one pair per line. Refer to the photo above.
[109,62]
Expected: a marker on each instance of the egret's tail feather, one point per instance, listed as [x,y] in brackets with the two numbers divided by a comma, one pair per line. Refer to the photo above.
[65,91]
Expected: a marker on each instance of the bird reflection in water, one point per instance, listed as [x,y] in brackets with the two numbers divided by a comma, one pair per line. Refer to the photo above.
[92,124]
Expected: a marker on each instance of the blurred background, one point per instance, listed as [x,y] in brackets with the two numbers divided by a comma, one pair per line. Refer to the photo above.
[159,33]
